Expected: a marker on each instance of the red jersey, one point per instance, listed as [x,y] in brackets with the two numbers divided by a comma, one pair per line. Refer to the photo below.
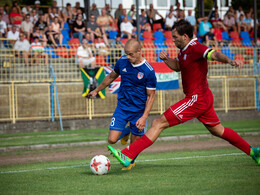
[194,68]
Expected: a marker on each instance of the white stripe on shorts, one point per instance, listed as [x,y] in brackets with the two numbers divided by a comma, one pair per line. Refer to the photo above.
[185,105]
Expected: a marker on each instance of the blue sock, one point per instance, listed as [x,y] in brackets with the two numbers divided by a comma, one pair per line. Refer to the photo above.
[126,131]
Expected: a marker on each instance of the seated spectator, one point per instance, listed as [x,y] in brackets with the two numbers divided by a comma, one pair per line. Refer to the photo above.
[67,13]
[191,19]
[151,13]
[27,27]
[79,12]
[123,16]
[13,34]
[101,47]
[217,22]
[171,10]
[132,14]
[74,15]
[94,11]
[117,49]
[55,7]
[248,21]
[241,25]
[77,6]
[178,10]
[94,30]
[204,26]
[3,27]
[118,13]
[229,22]
[104,21]
[37,7]
[84,56]
[53,13]
[108,10]
[22,47]
[56,26]
[210,38]
[41,24]
[15,18]
[5,17]
[53,37]
[41,36]
[239,12]
[38,51]
[78,28]
[144,24]
[19,10]
[26,10]
[181,15]
[34,16]
[169,21]
[127,29]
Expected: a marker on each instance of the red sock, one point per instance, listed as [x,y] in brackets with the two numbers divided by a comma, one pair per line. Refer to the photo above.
[136,147]
[235,139]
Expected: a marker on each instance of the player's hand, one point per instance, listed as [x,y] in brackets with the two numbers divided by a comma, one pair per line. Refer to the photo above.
[163,56]
[237,63]
[92,94]
[140,124]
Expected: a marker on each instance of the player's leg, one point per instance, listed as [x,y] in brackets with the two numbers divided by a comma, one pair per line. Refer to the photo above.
[124,137]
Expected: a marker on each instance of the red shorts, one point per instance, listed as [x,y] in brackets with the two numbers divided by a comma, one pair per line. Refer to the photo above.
[195,106]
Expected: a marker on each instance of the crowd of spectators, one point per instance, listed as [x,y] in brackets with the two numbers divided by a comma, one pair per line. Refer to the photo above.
[44,28]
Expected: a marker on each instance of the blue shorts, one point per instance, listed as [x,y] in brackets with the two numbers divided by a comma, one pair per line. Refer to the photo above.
[121,118]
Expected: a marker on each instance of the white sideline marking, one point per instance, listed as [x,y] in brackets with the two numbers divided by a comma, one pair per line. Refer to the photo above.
[152,160]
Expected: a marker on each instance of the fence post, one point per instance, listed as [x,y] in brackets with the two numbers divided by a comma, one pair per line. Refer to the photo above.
[256,69]
[161,102]
[13,104]
[90,108]
[226,94]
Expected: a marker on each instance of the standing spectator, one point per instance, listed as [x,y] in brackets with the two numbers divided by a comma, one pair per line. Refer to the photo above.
[78,28]
[27,27]
[104,21]
[171,10]
[13,34]
[37,7]
[144,24]
[94,30]
[151,13]
[108,10]
[230,22]
[84,56]
[41,24]
[53,37]
[210,38]
[239,12]
[94,11]
[55,7]
[26,10]
[118,13]
[74,15]
[41,35]
[169,21]
[77,6]
[178,10]
[204,26]
[132,14]
[67,13]
[14,17]
[22,47]
[5,17]
[38,51]
[191,18]
[3,27]
[127,29]
[7,9]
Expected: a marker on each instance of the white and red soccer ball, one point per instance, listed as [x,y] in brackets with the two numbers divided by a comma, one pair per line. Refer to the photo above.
[100,165]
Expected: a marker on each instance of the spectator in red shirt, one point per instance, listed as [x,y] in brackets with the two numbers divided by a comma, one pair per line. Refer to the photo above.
[15,17]
[217,22]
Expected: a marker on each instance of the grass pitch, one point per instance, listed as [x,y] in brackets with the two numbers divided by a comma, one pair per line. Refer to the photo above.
[225,171]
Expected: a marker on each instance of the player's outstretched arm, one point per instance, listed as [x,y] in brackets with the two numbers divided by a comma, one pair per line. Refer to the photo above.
[218,56]
[107,81]
[171,63]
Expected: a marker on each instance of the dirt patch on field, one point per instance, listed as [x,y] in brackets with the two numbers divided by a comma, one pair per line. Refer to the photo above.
[77,153]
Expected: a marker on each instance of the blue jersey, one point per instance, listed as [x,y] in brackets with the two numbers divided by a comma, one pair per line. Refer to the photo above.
[135,79]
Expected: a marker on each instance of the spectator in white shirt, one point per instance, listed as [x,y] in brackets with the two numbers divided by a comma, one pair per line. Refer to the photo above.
[27,26]
[170,19]
[38,51]
[84,56]
[22,47]
[26,10]
[101,47]
[127,29]
[13,35]
[3,27]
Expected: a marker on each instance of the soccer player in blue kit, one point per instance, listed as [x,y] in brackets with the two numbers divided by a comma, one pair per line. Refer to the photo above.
[135,96]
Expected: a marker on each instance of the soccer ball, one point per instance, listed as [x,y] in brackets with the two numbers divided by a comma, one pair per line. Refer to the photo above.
[100,165]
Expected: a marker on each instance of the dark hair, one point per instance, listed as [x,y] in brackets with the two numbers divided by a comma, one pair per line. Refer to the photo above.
[183,27]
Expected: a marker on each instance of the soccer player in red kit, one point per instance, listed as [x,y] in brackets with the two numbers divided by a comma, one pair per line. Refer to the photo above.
[198,103]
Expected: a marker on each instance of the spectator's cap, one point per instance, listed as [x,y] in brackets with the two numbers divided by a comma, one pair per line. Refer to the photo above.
[85,41]
[37,2]
[230,13]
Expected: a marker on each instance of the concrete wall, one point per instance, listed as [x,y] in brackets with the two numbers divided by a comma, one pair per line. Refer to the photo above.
[74,124]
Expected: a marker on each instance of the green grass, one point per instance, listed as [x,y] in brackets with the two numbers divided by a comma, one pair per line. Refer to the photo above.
[169,173]
[84,135]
